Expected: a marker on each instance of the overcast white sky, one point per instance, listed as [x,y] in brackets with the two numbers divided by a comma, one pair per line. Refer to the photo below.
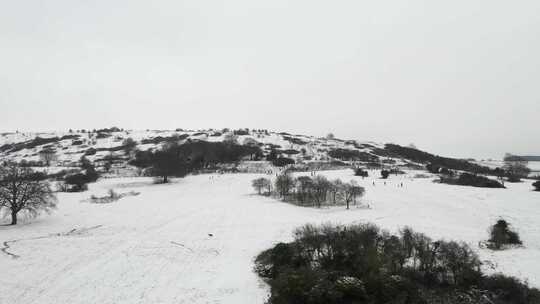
[458,78]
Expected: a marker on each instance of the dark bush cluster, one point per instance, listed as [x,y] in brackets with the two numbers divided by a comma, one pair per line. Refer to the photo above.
[282,161]
[161,139]
[501,235]
[362,264]
[108,130]
[536,185]
[310,191]
[396,171]
[71,136]
[90,151]
[445,162]
[30,144]
[179,160]
[352,155]
[467,179]
[436,169]
[103,135]
[289,151]
[360,172]
[241,132]
[293,140]
[129,144]
[31,163]
[78,182]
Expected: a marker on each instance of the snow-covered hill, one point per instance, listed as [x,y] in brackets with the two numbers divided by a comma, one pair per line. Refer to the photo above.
[69,147]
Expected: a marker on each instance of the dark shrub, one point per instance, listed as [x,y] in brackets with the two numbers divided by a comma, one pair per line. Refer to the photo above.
[467,179]
[352,155]
[385,174]
[501,234]
[536,185]
[416,155]
[290,151]
[432,168]
[510,289]
[514,179]
[373,165]
[77,182]
[103,135]
[69,137]
[361,172]
[89,169]
[108,130]
[241,132]
[283,161]
[272,156]
[6,147]
[90,151]
[293,140]
[160,139]
[477,181]
[446,171]
[129,144]
[38,141]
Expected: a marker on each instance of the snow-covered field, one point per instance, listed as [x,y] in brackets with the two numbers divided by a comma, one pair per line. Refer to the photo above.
[194,241]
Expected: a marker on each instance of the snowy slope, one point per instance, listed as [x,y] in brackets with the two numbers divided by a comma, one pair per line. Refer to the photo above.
[156,247]
[71,146]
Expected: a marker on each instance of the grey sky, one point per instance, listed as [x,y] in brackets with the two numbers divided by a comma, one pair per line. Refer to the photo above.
[458,78]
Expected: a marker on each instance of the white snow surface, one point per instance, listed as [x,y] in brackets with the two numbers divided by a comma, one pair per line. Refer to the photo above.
[156,247]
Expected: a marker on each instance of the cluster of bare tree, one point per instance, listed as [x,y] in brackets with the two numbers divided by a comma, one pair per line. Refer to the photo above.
[515,168]
[306,190]
[24,190]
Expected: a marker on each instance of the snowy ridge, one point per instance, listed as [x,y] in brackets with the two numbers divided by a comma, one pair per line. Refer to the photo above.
[71,146]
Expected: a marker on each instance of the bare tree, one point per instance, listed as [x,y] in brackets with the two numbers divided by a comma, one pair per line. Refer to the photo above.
[48,156]
[352,191]
[261,184]
[336,187]
[284,184]
[515,168]
[321,186]
[304,188]
[22,189]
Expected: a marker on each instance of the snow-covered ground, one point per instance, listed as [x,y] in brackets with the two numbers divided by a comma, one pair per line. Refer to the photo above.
[194,241]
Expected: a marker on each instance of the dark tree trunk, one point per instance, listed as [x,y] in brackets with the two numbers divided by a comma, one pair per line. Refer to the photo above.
[13,218]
